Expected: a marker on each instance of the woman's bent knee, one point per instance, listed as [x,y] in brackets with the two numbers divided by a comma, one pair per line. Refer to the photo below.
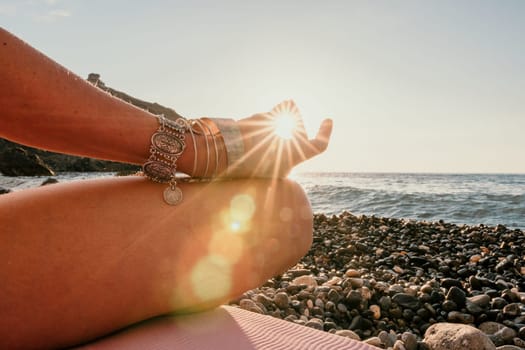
[265,227]
[298,214]
[285,226]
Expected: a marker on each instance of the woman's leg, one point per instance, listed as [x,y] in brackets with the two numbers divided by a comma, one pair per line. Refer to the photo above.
[82,259]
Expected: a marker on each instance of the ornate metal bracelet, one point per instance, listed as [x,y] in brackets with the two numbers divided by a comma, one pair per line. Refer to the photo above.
[167,144]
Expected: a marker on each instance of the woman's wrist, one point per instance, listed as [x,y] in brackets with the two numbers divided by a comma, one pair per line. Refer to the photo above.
[216,154]
[205,155]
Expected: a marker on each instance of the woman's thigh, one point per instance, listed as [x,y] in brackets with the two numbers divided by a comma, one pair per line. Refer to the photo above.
[83,259]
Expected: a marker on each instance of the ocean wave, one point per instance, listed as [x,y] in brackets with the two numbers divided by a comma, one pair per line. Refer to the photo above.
[458,198]
[490,200]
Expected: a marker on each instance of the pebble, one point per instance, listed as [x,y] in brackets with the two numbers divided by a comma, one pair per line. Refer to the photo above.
[409,341]
[250,305]
[354,299]
[356,282]
[474,309]
[449,305]
[519,342]
[315,323]
[507,334]
[521,332]
[451,282]
[333,281]
[49,181]
[481,300]
[348,333]
[388,339]
[399,345]
[352,273]
[333,296]
[376,311]
[309,304]
[365,293]
[374,341]
[393,280]
[281,300]
[456,295]
[451,336]
[308,281]
[263,299]
[512,310]
[498,303]
[475,283]
[298,272]
[460,317]
[359,322]
[406,300]
[342,308]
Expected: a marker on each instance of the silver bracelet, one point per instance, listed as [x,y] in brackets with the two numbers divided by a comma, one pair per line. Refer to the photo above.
[167,144]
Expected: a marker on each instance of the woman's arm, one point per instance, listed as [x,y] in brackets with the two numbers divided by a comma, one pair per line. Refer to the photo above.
[46,106]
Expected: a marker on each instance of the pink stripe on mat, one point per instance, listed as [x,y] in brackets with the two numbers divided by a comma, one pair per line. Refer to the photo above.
[224,328]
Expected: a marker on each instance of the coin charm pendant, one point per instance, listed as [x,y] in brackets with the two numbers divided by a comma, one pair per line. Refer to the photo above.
[172,196]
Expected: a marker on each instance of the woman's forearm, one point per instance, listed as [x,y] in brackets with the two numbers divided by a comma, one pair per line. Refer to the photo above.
[46,106]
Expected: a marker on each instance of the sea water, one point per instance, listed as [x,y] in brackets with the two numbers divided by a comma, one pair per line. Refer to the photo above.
[489,199]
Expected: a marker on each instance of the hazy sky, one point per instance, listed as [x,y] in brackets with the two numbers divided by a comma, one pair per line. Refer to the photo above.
[412,86]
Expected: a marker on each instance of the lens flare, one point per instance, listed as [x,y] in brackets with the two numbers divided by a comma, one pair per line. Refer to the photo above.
[212,270]
[284,125]
[235,226]
[242,208]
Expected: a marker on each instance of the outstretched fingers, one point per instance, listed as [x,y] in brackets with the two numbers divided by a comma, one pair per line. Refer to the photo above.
[321,140]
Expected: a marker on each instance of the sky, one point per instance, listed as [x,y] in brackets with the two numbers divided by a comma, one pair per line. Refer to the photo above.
[412,86]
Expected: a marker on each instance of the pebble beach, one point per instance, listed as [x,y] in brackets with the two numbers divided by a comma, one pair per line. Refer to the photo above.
[404,284]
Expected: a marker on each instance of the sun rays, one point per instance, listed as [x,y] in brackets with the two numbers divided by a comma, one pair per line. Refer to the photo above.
[279,140]
[284,125]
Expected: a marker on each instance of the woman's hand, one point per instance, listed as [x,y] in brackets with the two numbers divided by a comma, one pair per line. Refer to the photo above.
[275,142]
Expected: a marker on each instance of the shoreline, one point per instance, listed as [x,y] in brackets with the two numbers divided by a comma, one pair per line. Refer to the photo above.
[386,280]
[491,199]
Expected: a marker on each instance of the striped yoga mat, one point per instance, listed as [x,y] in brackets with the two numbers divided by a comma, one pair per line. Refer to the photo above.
[223,328]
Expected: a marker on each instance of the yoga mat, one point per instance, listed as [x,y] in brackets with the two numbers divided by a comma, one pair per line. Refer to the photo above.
[225,327]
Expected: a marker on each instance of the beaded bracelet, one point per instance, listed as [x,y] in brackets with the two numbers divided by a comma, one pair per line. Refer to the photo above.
[167,144]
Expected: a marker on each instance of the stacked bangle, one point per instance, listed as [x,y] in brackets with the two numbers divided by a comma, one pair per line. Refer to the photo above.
[218,143]
[168,143]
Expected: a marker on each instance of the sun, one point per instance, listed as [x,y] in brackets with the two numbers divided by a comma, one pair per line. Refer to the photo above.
[280,134]
[284,125]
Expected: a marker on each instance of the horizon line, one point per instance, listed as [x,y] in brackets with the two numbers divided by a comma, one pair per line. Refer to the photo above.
[405,172]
